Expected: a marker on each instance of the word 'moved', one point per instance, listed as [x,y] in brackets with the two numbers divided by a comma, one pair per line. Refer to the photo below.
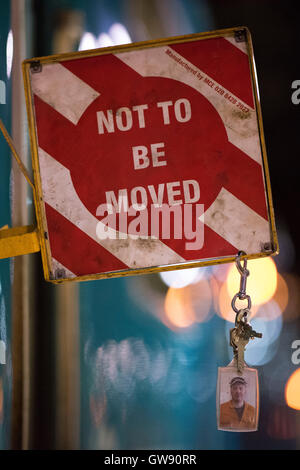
[187,191]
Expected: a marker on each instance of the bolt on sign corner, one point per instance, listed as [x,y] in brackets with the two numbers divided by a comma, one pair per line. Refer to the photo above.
[149,156]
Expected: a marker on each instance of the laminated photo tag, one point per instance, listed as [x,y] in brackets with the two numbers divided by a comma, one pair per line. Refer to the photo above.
[237,399]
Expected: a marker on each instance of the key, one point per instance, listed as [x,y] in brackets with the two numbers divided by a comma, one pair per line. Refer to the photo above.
[239,341]
[247,332]
[240,353]
[240,336]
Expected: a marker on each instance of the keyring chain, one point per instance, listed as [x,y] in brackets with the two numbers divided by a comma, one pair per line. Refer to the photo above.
[243,332]
[233,413]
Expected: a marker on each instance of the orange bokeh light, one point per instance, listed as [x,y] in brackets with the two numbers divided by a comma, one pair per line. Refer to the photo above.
[261,283]
[200,297]
[187,305]
[291,311]
[178,310]
[225,309]
[281,297]
[292,390]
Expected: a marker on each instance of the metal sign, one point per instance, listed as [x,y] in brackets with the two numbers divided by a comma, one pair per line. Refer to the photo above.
[149,156]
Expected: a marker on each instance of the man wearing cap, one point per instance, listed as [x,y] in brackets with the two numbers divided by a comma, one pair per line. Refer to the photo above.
[236,413]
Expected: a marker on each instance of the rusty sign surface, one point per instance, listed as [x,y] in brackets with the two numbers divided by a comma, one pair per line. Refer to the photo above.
[149,156]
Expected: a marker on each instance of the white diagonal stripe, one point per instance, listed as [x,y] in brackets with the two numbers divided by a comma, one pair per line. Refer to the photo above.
[64,91]
[242,46]
[241,128]
[64,272]
[59,193]
[234,221]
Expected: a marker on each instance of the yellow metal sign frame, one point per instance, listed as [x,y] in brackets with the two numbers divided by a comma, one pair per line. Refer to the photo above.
[39,203]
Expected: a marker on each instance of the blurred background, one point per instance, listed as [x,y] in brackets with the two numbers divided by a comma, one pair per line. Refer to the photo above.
[132,363]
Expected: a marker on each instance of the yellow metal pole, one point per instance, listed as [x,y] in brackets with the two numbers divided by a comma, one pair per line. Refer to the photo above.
[18,240]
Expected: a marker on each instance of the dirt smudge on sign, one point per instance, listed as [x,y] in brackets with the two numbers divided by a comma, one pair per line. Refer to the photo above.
[238,114]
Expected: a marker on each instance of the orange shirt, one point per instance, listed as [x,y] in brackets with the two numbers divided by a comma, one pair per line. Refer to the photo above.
[229,417]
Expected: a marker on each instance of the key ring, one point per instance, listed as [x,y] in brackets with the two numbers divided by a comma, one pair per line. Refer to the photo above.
[241,316]
[245,297]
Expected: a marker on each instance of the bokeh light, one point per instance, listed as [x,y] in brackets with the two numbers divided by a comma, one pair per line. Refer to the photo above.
[180,278]
[104,40]
[178,309]
[220,271]
[292,310]
[9,53]
[269,311]
[88,41]
[281,297]
[269,329]
[116,35]
[225,310]
[188,305]
[262,350]
[261,283]
[119,34]
[200,300]
[292,390]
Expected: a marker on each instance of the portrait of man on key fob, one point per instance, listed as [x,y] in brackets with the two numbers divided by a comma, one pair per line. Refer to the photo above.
[238,405]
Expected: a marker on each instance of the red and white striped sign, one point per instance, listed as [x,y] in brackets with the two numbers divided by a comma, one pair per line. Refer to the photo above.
[122,135]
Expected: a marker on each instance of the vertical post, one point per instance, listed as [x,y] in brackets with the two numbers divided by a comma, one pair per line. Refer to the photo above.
[22,288]
[67,367]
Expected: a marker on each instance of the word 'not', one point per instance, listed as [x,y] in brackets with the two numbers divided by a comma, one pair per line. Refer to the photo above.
[123,118]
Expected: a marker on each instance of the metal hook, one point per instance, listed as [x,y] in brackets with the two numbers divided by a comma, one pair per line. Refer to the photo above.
[241,269]
[244,272]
